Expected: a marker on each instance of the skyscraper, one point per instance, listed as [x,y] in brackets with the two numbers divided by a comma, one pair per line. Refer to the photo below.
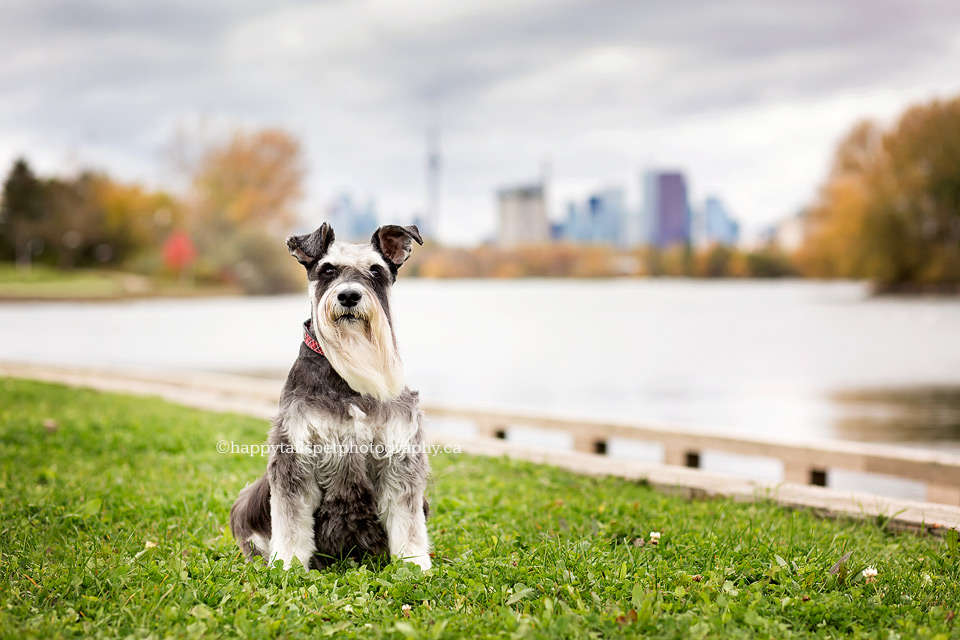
[607,213]
[666,209]
[599,220]
[715,225]
[350,221]
[523,216]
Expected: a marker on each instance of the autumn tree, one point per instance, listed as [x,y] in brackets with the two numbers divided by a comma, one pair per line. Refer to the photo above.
[254,180]
[890,208]
[135,220]
[90,219]
[73,225]
[242,203]
[715,261]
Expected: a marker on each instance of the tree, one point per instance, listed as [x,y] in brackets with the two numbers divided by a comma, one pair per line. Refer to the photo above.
[22,212]
[89,219]
[73,225]
[920,207]
[136,220]
[890,208]
[715,261]
[242,205]
[252,181]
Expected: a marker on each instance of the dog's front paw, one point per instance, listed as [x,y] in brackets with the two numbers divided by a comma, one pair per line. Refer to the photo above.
[422,561]
[284,562]
[287,560]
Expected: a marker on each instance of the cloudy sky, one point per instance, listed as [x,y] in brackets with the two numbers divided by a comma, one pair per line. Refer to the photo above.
[746,96]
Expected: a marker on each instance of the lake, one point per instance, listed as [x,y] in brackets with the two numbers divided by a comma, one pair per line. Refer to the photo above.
[790,359]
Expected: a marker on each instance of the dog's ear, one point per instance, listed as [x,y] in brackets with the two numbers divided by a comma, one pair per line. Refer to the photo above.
[395,243]
[310,247]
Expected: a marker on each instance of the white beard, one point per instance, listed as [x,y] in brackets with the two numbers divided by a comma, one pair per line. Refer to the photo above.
[362,352]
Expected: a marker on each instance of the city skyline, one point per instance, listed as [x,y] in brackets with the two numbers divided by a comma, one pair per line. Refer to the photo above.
[666,215]
[748,96]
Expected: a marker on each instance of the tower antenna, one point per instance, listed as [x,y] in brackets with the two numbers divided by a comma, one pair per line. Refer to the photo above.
[434,163]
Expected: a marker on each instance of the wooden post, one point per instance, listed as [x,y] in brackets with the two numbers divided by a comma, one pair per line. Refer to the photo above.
[943,493]
[681,456]
[589,444]
[490,429]
[803,473]
[797,473]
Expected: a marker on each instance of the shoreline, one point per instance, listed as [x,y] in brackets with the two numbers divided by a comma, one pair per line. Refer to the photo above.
[129,297]
[875,291]
[42,284]
[916,290]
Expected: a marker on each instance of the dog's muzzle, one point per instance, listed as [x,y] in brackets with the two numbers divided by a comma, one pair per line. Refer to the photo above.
[349,298]
[349,304]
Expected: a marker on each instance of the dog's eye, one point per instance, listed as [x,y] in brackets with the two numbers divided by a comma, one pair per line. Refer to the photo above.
[328,269]
[376,270]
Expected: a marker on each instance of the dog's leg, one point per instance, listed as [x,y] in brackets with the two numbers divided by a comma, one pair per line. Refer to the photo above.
[294,495]
[250,519]
[400,506]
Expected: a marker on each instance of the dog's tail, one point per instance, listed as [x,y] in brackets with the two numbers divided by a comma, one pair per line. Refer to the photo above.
[250,519]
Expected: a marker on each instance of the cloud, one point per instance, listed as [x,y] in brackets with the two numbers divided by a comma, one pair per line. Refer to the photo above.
[748,96]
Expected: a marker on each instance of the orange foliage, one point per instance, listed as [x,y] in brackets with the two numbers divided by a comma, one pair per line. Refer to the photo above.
[252,180]
[890,208]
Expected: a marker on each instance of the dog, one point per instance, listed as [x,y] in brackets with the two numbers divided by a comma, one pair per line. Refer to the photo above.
[347,468]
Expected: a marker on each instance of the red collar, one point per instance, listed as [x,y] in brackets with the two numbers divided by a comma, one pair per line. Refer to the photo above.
[309,340]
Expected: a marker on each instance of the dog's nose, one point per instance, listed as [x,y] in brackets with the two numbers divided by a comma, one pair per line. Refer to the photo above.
[349,298]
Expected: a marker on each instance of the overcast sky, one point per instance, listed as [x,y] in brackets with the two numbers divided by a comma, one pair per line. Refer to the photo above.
[747,97]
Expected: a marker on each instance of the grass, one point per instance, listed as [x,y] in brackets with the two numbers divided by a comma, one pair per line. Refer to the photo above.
[41,282]
[113,525]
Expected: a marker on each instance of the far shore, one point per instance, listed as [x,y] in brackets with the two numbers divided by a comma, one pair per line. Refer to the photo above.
[5,297]
[41,284]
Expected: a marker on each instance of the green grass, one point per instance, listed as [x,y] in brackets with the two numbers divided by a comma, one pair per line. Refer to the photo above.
[41,282]
[87,479]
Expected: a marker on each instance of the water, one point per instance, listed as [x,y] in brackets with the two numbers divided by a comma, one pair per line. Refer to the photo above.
[797,360]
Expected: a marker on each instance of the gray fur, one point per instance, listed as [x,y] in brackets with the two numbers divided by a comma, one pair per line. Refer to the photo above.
[354,493]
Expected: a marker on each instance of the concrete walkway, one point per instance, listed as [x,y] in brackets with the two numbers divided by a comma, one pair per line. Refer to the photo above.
[258,397]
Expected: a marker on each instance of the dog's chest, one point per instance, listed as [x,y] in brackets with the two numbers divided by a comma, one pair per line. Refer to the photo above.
[359,432]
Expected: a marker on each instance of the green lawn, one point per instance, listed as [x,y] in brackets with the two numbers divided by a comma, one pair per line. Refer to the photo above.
[45,283]
[114,507]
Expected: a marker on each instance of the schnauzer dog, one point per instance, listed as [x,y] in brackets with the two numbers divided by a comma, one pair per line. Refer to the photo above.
[347,468]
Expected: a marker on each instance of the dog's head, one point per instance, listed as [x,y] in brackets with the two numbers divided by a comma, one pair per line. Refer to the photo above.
[350,303]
